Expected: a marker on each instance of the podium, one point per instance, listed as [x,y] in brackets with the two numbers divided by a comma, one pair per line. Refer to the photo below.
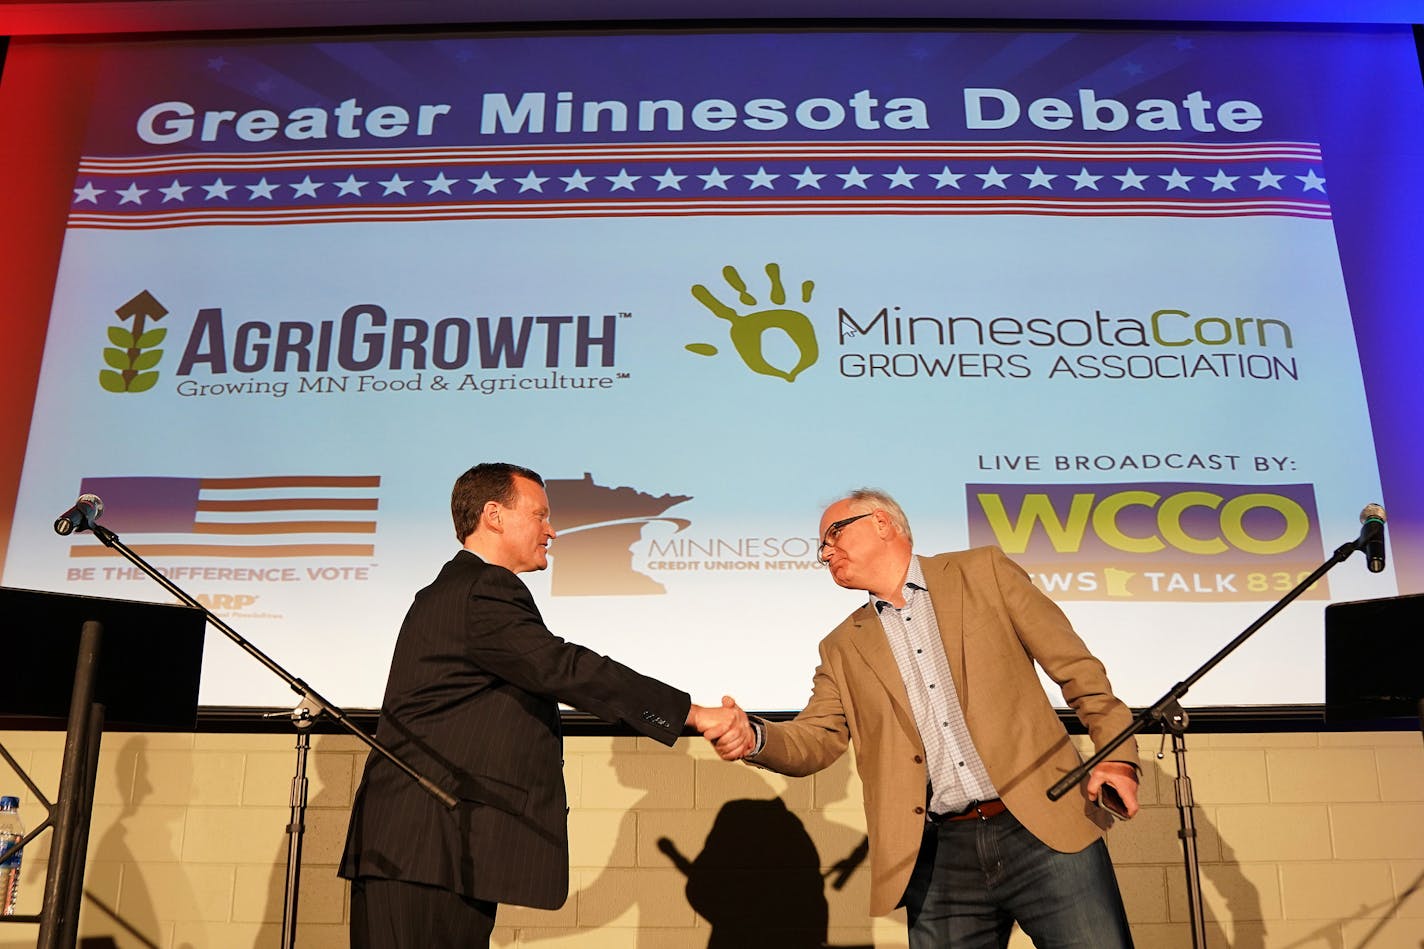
[90,662]
[1374,660]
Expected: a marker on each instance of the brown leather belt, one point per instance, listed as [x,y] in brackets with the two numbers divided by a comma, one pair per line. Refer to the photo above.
[983,810]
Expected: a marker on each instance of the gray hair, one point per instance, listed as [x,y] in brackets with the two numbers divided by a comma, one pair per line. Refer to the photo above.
[876,498]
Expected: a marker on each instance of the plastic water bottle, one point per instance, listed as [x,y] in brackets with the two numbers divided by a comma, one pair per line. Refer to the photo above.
[11,831]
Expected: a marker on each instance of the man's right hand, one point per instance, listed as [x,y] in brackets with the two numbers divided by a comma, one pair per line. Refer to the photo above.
[726,727]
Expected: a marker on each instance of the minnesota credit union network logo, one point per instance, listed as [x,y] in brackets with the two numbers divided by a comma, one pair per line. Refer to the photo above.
[1154,540]
[598,527]
[272,516]
[134,352]
[750,325]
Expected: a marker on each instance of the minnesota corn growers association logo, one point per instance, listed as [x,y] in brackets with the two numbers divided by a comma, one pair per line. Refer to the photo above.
[749,329]
[133,351]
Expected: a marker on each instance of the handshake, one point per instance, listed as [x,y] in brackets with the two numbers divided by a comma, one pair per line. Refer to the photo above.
[727,727]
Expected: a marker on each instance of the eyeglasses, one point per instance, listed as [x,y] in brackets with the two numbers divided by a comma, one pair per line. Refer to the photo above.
[833,533]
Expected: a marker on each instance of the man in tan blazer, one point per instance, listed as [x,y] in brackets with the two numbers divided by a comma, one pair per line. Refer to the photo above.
[934,683]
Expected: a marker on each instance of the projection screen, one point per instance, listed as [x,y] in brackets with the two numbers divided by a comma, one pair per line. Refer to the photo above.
[1139,306]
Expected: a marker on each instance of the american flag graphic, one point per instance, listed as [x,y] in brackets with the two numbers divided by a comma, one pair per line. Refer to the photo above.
[272,516]
[1191,179]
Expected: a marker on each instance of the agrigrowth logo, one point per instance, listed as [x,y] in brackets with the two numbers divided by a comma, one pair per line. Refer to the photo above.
[134,351]
[748,330]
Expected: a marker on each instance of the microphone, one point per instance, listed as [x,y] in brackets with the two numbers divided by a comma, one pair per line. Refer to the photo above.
[80,517]
[1372,536]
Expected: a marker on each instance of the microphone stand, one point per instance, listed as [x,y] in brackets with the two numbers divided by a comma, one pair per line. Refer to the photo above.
[1169,714]
[302,717]
[312,706]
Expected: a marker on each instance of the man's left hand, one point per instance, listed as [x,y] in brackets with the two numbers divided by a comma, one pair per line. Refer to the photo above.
[1121,777]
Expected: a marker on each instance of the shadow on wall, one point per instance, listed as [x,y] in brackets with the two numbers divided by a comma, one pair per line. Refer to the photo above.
[1384,932]
[1241,921]
[329,788]
[125,917]
[1242,899]
[1390,913]
[758,879]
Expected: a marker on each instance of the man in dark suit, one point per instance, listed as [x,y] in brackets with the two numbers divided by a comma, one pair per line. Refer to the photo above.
[472,702]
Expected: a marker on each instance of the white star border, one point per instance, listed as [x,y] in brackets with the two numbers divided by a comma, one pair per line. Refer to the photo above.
[993,178]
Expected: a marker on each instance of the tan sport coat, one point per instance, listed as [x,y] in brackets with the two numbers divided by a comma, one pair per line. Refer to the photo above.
[995,625]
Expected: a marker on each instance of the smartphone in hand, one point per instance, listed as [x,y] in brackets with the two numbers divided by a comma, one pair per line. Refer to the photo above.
[1112,802]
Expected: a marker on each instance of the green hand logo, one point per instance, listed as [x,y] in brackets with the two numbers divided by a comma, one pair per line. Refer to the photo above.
[749,328]
[132,356]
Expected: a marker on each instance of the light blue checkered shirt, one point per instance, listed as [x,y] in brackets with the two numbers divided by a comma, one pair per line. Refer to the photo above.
[956,772]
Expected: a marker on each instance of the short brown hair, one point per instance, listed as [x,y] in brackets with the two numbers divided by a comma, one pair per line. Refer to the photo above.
[489,481]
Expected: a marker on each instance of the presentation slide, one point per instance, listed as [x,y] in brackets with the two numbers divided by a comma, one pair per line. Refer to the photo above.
[1109,300]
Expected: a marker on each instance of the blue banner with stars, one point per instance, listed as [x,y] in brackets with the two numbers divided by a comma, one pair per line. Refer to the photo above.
[897,123]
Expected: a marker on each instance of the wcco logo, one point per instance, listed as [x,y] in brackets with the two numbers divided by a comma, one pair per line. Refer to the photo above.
[1140,520]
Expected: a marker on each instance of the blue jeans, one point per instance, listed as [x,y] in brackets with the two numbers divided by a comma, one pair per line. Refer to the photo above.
[975,878]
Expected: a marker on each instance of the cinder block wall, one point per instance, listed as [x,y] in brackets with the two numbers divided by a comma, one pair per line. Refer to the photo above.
[1306,840]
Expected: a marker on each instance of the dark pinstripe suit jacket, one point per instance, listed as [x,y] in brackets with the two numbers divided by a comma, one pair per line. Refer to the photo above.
[471,702]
